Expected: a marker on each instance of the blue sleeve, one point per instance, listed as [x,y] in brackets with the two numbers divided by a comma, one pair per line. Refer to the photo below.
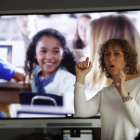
[7,70]
[2,115]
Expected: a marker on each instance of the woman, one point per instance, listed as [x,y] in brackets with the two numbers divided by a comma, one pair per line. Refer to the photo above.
[80,34]
[119,103]
[80,39]
[101,30]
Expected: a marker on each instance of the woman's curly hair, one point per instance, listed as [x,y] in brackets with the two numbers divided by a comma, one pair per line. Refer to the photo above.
[130,56]
[30,62]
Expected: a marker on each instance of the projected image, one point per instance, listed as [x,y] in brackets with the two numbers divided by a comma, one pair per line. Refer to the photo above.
[38,54]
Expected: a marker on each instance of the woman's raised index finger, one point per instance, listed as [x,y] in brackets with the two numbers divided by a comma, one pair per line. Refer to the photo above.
[87,59]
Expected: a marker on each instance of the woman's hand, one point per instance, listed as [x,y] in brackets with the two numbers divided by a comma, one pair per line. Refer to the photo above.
[121,87]
[82,69]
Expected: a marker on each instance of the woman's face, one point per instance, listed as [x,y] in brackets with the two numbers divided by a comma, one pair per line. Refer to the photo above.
[82,28]
[114,59]
[49,54]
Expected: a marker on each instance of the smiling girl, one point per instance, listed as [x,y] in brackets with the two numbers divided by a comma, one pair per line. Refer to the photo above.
[52,62]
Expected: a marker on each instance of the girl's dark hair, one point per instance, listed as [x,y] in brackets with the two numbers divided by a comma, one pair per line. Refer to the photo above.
[77,42]
[30,62]
[130,56]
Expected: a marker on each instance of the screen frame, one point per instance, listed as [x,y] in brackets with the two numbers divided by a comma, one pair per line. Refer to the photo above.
[70,10]
[50,123]
[43,122]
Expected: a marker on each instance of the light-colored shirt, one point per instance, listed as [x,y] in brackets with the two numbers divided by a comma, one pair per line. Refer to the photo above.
[62,83]
[119,120]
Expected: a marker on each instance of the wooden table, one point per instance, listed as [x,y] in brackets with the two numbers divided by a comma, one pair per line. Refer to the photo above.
[9,94]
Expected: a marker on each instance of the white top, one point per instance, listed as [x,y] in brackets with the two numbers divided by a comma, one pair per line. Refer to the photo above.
[119,120]
[62,83]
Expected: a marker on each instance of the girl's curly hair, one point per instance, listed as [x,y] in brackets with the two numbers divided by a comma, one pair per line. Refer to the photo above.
[30,62]
[130,56]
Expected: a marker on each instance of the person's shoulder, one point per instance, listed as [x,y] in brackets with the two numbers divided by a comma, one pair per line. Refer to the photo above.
[65,79]
[2,62]
[134,81]
[65,72]
[106,89]
[6,65]
[65,76]
[36,70]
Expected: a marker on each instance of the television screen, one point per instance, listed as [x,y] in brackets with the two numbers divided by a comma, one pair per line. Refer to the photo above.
[48,92]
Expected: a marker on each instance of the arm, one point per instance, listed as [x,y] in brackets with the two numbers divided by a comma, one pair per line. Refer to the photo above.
[82,107]
[133,110]
[19,76]
[7,72]
[133,105]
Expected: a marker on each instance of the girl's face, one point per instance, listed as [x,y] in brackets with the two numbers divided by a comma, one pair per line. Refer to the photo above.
[49,54]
